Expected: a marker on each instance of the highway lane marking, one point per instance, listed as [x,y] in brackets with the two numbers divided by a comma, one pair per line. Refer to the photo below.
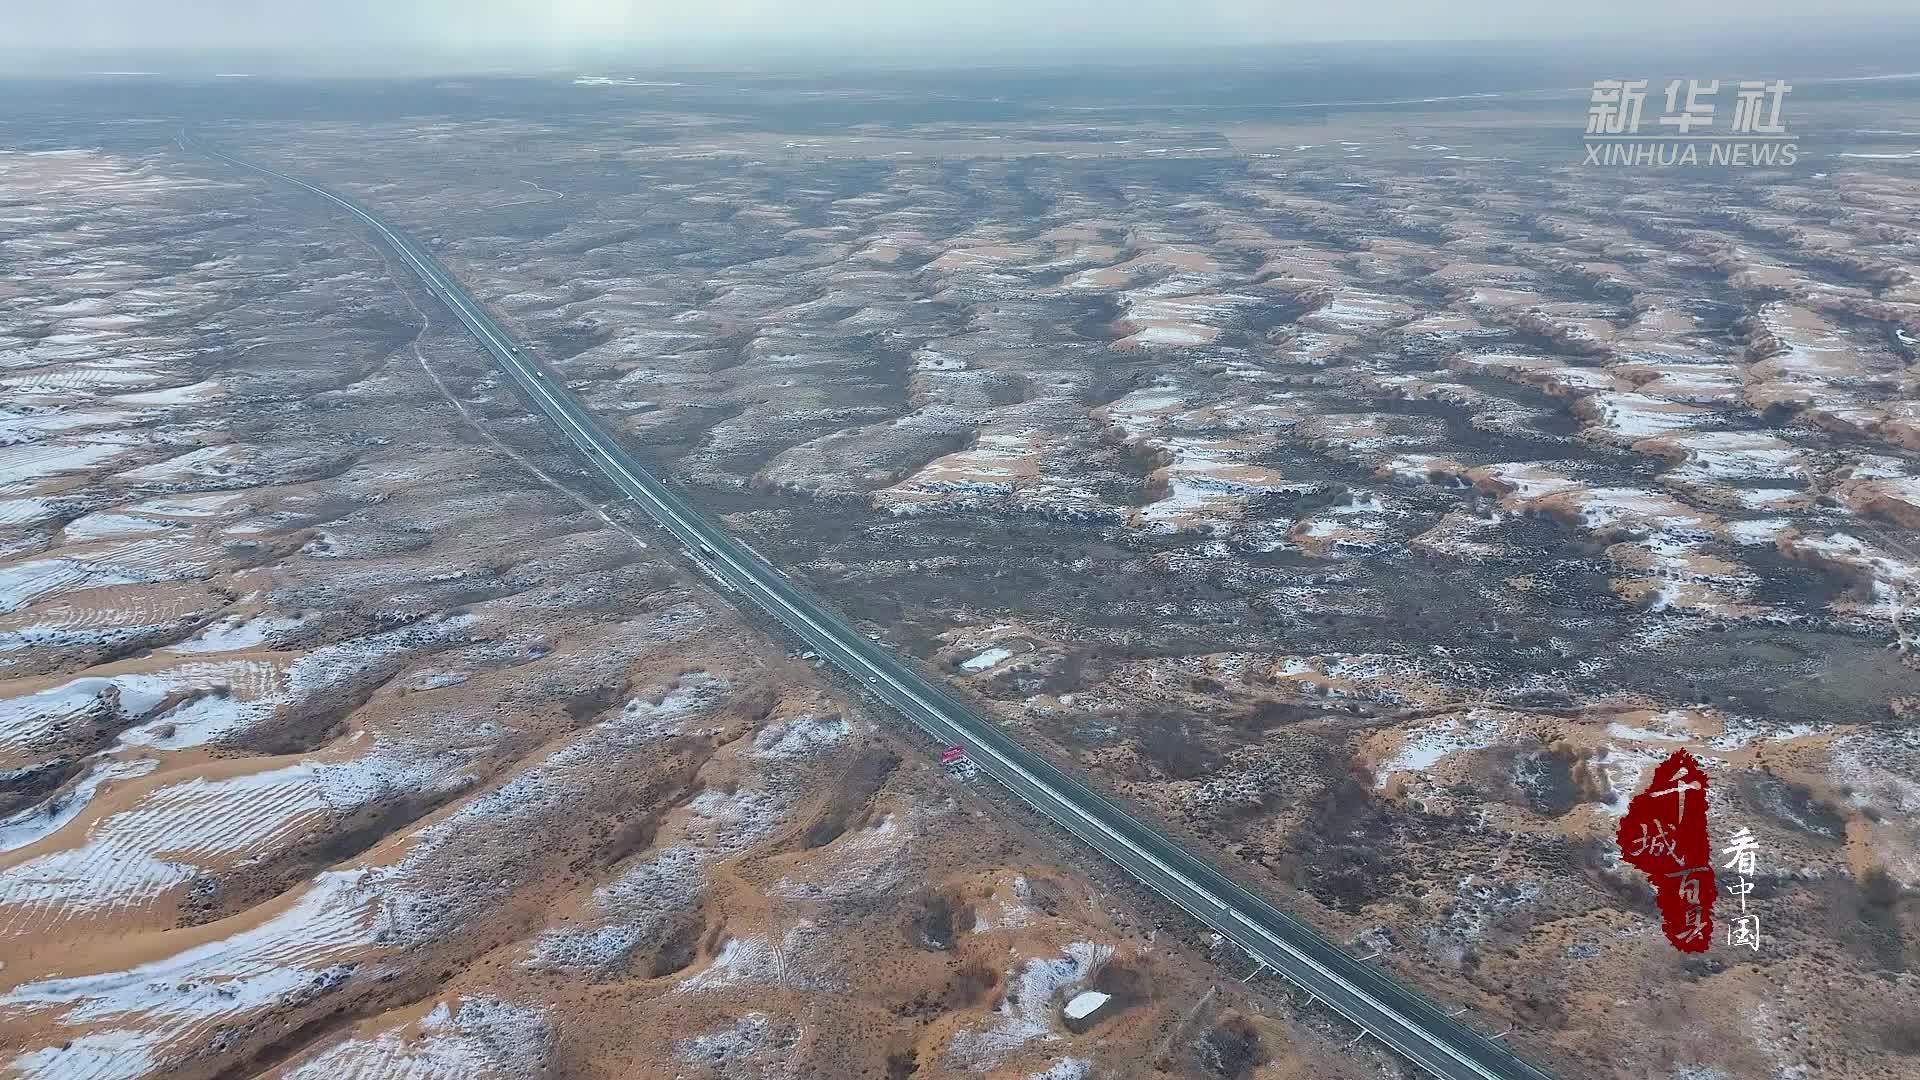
[861,663]
[871,671]
[475,321]
[693,536]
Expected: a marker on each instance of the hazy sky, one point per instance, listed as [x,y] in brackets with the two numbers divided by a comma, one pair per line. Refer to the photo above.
[453,26]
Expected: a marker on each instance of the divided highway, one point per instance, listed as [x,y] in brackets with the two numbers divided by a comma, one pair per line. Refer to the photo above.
[1402,1019]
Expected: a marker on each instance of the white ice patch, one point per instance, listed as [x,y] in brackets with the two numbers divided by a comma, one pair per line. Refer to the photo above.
[46,818]
[1623,769]
[130,857]
[26,511]
[729,1047]
[483,1038]
[206,719]
[638,907]
[180,1001]
[691,699]
[1426,747]
[1015,911]
[21,466]
[986,660]
[113,525]
[1356,309]
[434,679]
[799,736]
[23,583]
[188,506]
[930,360]
[1673,732]
[191,394]
[111,1055]
[863,862]
[794,962]
[27,719]
[1171,335]
[331,669]
[733,821]
[1013,1024]
[233,633]
[1874,786]
[1738,455]
[1638,512]
[1632,416]
[1476,904]
[1739,730]
[1070,1068]
[215,464]
[205,699]
[1760,532]
[1767,498]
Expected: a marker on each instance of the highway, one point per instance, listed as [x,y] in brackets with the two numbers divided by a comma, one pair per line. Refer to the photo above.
[1382,1007]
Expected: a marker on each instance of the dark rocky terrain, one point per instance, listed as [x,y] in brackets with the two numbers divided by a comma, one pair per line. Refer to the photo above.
[1371,496]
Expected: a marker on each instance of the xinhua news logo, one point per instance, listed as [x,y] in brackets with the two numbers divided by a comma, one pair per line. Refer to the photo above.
[1757,136]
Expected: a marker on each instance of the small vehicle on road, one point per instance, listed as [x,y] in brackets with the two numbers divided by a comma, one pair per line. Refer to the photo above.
[954,759]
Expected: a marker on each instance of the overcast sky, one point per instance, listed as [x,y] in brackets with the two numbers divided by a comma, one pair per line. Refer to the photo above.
[559,26]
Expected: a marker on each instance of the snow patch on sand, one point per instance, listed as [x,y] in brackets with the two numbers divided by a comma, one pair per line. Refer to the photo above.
[182,1000]
[985,660]
[481,1037]
[1016,1023]
[799,736]
[1427,746]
